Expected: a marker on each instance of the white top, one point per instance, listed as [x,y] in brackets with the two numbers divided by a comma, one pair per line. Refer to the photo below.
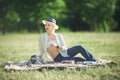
[54,41]
[43,44]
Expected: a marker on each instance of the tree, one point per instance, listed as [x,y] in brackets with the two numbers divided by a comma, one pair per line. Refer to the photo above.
[3,12]
[94,15]
[27,14]
[117,16]
[8,17]
[98,14]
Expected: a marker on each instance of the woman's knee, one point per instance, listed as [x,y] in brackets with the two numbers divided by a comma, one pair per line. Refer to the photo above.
[79,46]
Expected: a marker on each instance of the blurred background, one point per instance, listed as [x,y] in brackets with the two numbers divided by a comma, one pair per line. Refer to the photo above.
[71,15]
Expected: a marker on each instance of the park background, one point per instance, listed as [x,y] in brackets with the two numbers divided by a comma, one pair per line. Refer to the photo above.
[94,24]
[77,15]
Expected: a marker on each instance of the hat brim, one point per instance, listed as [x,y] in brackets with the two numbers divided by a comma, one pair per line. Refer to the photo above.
[44,22]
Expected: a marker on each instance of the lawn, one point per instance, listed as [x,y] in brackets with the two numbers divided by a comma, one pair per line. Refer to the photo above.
[18,47]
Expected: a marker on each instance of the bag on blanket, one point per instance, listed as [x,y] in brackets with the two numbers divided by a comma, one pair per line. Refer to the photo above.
[36,60]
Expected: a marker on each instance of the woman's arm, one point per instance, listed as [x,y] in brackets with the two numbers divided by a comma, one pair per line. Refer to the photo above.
[41,46]
[62,43]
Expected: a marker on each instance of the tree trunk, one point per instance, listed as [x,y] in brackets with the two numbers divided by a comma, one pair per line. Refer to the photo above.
[3,30]
[3,26]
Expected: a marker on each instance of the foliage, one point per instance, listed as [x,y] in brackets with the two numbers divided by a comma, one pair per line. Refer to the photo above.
[26,14]
[117,16]
[94,15]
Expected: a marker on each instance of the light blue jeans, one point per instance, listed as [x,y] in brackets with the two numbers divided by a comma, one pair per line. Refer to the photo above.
[72,52]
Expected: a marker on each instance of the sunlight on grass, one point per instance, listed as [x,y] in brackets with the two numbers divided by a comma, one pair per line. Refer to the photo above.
[18,47]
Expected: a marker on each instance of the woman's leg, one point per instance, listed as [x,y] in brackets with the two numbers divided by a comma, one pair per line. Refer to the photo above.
[79,49]
[60,58]
[74,58]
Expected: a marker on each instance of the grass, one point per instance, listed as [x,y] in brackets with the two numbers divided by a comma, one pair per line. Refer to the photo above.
[18,47]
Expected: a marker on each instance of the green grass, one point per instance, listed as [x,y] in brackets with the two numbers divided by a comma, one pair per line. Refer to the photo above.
[17,47]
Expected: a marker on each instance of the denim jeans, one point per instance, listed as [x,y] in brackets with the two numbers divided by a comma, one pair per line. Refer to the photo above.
[72,52]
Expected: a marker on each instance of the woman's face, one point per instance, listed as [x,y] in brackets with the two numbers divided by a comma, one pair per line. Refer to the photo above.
[49,27]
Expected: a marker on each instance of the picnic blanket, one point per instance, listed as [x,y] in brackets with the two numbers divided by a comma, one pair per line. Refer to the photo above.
[36,63]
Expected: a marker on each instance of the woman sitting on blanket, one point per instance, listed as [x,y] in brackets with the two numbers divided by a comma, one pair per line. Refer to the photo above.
[52,45]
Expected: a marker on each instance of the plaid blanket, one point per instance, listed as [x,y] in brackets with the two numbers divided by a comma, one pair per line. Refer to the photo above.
[36,63]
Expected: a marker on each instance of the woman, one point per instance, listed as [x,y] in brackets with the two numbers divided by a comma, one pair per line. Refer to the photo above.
[53,46]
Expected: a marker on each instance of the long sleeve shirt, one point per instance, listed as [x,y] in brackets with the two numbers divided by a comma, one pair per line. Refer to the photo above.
[43,46]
